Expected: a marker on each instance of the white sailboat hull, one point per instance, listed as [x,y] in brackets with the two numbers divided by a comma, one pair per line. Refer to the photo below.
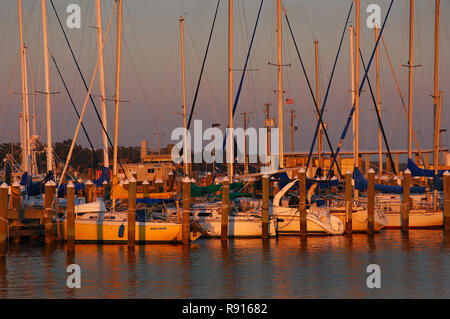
[237,226]
[417,219]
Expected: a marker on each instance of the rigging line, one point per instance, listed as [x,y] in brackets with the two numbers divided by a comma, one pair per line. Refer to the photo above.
[378,113]
[84,82]
[400,93]
[73,105]
[349,119]
[238,93]
[203,66]
[320,122]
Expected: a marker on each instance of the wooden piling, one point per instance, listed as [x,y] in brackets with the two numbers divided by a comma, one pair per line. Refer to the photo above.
[389,165]
[406,200]
[132,213]
[265,207]
[371,202]
[348,203]
[446,178]
[225,208]
[3,218]
[89,190]
[302,202]
[90,174]
[70,217]
[50,188]
[396,164]
[15,201]
[186,221]
[145,189]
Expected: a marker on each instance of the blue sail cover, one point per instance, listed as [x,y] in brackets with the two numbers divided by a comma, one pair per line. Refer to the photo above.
[417,171]
[36,188]
[284,179]
[103,177]
[154,201]
[362,185]
[63,188]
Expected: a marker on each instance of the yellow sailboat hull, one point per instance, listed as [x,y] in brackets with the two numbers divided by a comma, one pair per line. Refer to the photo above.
[111,232]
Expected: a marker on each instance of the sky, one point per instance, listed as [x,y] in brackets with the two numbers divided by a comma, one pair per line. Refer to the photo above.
[151,68]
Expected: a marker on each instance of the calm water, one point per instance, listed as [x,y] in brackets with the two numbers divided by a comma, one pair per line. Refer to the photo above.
[412,266]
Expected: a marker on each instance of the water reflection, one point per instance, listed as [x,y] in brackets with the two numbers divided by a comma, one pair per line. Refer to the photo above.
[416,264]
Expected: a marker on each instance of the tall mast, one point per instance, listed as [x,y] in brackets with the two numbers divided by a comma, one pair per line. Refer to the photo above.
[117,97]
[25,141]
[320,134]
[185,148]
[352,74]
[356,53]
[380,144]
[245,146]
[101,77]
[280,85]
[436,86]
[411,68]
[47,89]
[230,150]
[292,129]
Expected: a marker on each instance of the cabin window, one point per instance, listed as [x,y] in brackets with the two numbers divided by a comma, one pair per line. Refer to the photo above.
[93,217]
[110,217]
[150,170]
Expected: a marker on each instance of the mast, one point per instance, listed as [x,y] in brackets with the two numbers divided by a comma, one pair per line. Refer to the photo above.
[411,67]
[436,95]
[117,97]
[230,150]
[356,54]
[185,147]
[101,77]
[292,129]
[47,89]
[245,146]
[25,124]
[320,133]
[280,85]
[380,144]
[352,74]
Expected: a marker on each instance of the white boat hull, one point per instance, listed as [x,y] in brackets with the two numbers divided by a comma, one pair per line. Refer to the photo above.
[417,219]
[237,226]
[360,220]
[288,222]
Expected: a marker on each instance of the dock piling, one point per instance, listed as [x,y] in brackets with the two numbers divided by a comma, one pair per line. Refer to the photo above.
[89,190]
[145,189]
[371,202]
[3,218]
[265,207]
[132,213]
[348,203]
[302,202]
[50,189]
[70,217]
[225,208]
[186,225]
[406,200]
[446,178]
[15,201]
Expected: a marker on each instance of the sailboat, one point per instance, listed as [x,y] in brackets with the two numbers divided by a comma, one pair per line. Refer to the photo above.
[319,219]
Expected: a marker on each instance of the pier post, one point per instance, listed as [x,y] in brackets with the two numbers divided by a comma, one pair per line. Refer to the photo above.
[446,178]
[406,200]
[90,174]
[132,213]
[89,190]
[3,218]
[265,207]
[50,188]
[145,189]
[302,202]
[170,181]
[225,208]
[70,217]
[371,202]
[186,223]
[348,203]
[389,164]
[15,196]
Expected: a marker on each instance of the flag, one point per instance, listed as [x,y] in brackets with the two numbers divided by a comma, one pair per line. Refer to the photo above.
[289,101]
